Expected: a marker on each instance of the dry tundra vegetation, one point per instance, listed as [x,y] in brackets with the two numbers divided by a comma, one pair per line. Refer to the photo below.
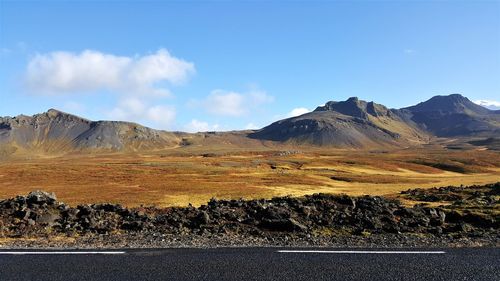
[183,175]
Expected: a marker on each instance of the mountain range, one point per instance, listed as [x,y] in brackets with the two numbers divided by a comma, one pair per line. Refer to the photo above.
[350,123]
[353,123]
[357,123]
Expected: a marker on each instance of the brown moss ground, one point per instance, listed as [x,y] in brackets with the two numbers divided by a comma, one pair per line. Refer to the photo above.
[181,176]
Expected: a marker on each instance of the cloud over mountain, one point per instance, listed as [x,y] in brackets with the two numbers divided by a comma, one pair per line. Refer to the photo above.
[230,103]
[297,112]
[200,126]
[491,104]
[136,110]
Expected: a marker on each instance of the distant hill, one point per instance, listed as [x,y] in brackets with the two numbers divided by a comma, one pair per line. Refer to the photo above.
[57,131]
[350,123]
[454,115]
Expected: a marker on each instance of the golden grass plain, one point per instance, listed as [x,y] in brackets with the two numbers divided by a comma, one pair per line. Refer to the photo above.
[177,177]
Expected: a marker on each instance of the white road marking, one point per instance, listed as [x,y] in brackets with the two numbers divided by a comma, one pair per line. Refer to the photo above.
[65,253]
[359,252]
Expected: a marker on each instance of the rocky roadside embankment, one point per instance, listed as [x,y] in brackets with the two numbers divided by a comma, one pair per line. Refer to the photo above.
[468,217]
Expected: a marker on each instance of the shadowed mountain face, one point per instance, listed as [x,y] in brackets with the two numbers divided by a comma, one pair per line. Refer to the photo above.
[350,123]
[454,115]
[56,131]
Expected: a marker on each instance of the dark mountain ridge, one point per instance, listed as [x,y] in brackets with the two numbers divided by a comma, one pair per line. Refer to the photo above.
[454,115]
[454,103]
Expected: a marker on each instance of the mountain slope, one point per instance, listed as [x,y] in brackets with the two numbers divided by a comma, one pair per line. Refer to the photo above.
[454,115]
[56,131]
[350,123]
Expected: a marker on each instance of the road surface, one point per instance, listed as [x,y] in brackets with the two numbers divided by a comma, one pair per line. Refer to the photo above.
[252,264]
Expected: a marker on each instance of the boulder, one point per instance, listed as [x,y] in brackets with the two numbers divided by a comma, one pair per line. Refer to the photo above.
[133,225]
[437,216]
[40,197]
[202,218]
[286,225]
[48,219]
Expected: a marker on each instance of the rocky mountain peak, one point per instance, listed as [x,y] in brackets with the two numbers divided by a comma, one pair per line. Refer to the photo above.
[450,104]
[53,111]
[355,107]
[454,115]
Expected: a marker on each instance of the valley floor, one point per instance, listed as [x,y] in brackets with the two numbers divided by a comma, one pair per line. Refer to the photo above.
[179,176]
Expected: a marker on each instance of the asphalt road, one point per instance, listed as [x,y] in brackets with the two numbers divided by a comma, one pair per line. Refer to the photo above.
[254,264]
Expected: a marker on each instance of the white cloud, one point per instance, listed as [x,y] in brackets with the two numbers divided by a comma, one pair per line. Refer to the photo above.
[128,107]
[297,111]
[225,103]
[199,126]
[161,114]
[293,113]
[491,104]
[67,72]
[409,51]
[251,126]
[136,110]
[229,103]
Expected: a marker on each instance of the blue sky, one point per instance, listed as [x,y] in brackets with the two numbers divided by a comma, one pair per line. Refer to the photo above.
[234,65]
